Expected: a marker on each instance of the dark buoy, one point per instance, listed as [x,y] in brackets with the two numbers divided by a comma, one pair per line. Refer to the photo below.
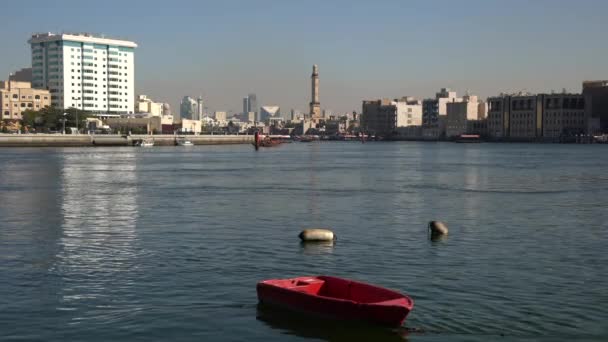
[316,234]
[438,229]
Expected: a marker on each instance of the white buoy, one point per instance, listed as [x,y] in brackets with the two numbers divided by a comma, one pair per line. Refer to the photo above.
[316,234]
[438,228]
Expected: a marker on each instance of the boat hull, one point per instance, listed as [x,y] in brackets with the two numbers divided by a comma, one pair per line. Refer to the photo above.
[336,298]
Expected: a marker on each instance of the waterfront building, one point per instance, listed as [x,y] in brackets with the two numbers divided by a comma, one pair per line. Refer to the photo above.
[188,108]
[17,97]
[409,112]
[537,117]
[460,113]
[563,115]
[143,104]
[22,75]
[315,105]
[379,117]
[86,72]
[434,113]
[596,99]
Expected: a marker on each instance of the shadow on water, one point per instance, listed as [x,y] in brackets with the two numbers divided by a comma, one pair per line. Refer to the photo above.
[317,247]
[306,326]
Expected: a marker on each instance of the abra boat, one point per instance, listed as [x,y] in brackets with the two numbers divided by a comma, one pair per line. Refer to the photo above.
[148,142]
[336,298]
[184,142]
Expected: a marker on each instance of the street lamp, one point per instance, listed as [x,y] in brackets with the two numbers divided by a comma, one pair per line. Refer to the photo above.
[64,119]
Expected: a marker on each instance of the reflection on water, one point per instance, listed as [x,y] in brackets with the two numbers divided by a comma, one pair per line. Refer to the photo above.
[98,256]
[291,323]
[317,247]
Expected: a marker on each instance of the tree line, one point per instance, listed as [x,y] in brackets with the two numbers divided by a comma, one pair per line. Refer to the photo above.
[51,119]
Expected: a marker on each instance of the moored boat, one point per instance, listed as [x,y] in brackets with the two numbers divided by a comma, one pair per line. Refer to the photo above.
[184,142]
[468,138]
[337,298]
[147,142]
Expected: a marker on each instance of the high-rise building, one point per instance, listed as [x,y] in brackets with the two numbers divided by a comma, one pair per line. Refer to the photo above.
[252,105]
[84,71]
[200,108]
[188,108]
[245,106]
[315,105]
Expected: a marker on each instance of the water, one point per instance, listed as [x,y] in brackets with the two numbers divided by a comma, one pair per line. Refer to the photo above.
[128,244]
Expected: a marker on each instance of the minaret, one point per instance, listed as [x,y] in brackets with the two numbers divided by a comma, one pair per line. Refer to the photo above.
[315,105]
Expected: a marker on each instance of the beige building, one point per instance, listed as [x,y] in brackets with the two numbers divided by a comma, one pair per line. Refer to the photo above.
[17,97]
[409,112]
[143,104]
[564,114]
[220,116]
[460,113]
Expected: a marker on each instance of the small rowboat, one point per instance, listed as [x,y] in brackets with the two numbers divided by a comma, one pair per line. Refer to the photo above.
[336,298]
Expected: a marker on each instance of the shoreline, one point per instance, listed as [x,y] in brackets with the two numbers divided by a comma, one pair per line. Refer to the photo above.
[86,140]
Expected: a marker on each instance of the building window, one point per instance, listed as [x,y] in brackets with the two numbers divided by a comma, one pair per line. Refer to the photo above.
[15,96]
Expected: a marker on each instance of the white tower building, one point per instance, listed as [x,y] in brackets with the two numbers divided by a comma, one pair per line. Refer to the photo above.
[85,72]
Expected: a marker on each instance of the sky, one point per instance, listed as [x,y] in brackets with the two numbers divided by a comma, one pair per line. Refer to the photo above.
[224,50]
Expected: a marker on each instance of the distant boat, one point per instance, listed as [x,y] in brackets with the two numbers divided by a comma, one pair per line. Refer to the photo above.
[468,138]
[146,142]
[184,142]
[337,298]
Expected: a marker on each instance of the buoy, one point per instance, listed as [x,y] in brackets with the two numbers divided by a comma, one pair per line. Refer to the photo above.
[316,234]
[438,228]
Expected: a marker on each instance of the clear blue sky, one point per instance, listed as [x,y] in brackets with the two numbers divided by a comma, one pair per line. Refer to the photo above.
[365,49]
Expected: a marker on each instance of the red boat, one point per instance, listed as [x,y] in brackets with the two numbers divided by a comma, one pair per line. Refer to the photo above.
[336,298]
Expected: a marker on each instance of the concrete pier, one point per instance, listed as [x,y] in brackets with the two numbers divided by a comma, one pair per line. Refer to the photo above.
[82,140]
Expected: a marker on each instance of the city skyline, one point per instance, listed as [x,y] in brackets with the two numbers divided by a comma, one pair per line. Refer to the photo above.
[366,52]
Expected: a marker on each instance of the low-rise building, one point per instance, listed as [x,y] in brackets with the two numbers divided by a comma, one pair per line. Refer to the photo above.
[563,115]
[537,117]
[379,117]
[17,97]
[143,104]
[434,113]
[460,113]
[220,116]
[409,111]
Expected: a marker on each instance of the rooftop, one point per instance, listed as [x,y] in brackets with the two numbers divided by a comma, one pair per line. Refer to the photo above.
[80,37]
